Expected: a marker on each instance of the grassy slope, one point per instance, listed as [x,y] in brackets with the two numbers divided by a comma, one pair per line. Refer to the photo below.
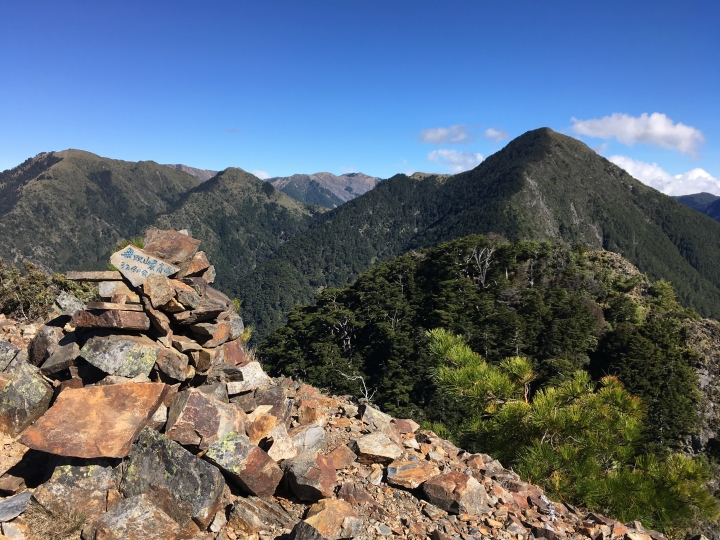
[68,209]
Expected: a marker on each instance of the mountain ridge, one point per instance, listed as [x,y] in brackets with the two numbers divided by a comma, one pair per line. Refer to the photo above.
[324,188]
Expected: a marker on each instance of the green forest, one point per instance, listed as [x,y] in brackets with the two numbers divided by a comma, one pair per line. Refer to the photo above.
[580,319]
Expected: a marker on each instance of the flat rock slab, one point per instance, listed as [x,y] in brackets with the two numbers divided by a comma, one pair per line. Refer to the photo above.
[95,421]
[198,264]
[24,397]
[136,265]
[62,358]
[250,466]
[12,507]
[127,320]
[410,474]
[106,275]
[182,485]
[127,356]
[136,518]
[172,246]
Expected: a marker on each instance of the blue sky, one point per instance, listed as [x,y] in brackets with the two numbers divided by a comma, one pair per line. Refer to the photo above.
[375,86]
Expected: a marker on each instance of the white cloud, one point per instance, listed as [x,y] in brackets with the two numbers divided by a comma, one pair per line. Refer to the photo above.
[456,161]
[459,133]
[655,129]
[496,135]
[262,175]
[694,181]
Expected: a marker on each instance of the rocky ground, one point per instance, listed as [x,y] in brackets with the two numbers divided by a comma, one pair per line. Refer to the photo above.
[145,417]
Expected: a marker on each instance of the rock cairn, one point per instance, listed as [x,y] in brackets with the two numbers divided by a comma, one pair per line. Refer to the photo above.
[145,417]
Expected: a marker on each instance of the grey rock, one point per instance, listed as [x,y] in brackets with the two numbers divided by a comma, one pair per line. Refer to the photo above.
[308,438]
[182,485]
[12,507]
[66,304]
[8,351]
[24,397]
[124,355]
[62,358]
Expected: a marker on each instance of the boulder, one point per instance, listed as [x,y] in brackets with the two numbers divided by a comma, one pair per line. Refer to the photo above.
[124,355]
[197,419]
[269,432]
[180,484]
[111,417]
[111,318]
[185,344]
[329,519]
[80,488]
[253,377]
[410,474]
[136,518]
[65,305]
[207,309]
[247,464]
[375,448]
[24,397]
[311,476]
[457,493]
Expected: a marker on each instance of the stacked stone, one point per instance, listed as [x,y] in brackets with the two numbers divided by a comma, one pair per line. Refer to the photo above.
[149,418]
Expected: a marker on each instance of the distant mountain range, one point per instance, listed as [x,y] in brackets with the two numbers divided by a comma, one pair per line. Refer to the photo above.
[542,185]
[201,174]
[707,203]
[325,189]
[63,210]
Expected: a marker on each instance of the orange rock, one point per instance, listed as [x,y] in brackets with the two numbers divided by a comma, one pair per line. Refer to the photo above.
[341,457]
[198,264]
[96,421]
[410,474]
